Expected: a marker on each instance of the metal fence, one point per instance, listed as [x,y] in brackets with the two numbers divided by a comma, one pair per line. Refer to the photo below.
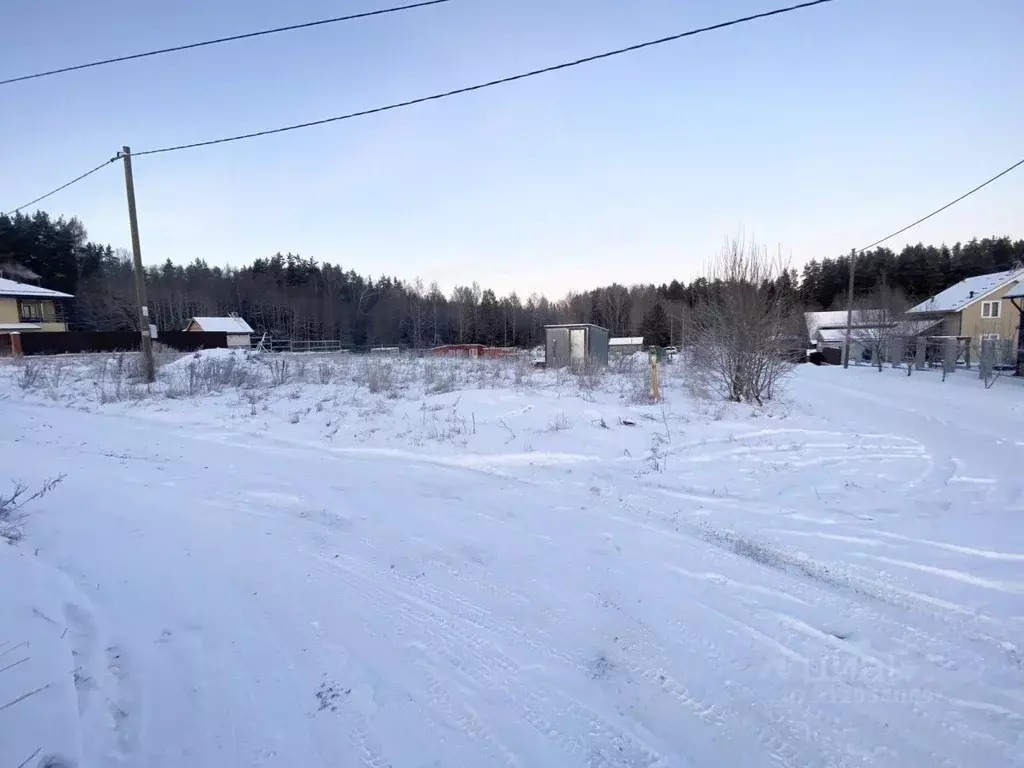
[949,353]
[997,355]
[297,345]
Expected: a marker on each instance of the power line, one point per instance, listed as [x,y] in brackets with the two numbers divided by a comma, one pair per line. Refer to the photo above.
[937,211]
[63,186]
[492,83]
[217,41]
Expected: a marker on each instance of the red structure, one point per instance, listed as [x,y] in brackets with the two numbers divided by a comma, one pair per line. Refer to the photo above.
[473,350]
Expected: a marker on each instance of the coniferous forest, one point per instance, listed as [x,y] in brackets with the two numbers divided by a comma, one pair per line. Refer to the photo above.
[298,297]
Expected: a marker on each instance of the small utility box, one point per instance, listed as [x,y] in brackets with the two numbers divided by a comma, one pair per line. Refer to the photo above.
[575,344]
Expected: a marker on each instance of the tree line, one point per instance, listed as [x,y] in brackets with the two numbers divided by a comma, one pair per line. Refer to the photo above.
[291,296]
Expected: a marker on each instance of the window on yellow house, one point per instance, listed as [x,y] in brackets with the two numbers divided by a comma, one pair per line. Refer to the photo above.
[990,309]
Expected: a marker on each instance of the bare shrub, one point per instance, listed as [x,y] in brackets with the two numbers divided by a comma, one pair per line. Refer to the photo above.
[743,330]
[12,507]
[204,375]
[588,376]
[30,376]
[280,370]
[640,385]
[490,373]
[635,371]
[301,369]
[377,374]
[173,390]
[325,373]
[59,371]
[163,354]
[560,423]
[439,378]
[877,321]
[524,372]
[452,427]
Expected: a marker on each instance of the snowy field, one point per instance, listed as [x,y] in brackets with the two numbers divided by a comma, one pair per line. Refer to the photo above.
[373,562]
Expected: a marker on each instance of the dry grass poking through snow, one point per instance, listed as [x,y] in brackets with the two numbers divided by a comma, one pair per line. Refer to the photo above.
[491,406]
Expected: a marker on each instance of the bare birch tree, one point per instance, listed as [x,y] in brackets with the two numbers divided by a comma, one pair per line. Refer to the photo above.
[877,320]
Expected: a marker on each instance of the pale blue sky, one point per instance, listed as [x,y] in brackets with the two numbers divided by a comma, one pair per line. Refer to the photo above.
[814,132]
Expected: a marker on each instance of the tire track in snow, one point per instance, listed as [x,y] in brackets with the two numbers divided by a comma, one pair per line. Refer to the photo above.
[987,554]
[572,726]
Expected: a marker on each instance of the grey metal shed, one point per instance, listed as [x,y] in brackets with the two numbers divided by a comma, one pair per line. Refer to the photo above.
[575,344]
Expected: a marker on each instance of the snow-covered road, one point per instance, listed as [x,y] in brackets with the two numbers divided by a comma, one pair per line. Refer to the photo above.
[842,589]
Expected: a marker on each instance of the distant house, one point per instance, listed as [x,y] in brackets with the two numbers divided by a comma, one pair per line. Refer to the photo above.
[974,309]
[238,331]
[28,308]
[625,345]
[827,330]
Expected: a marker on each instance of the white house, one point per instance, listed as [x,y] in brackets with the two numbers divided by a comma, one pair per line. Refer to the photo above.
[828,329]
[238,331]
[625,345]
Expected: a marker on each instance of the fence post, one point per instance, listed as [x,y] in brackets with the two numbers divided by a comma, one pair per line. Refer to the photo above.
[985,360]
[950,348]
[897,350]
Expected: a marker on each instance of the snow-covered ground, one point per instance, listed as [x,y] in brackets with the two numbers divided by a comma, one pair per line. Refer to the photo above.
[371,562]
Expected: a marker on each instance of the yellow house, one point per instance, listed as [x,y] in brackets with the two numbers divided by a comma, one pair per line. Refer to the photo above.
[973,309]
[28,308]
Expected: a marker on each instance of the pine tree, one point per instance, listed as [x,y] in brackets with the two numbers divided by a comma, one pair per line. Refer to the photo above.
[655,327]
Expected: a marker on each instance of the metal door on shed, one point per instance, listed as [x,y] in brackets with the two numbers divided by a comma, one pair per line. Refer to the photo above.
[577,344]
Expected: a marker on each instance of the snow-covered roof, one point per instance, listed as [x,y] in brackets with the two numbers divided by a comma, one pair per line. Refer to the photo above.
[968,291]
[831,335]
[223,324]
[20,326]
[836,319]
[909,328]
[1016,293]
[14,288]
[626,341]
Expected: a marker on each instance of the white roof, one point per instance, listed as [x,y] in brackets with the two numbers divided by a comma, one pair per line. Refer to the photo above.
[837,319]
[917,327]
[832,335]
[20,326]
[626,341]
[968,291]
[1016,293]
[14,288]
[223,324]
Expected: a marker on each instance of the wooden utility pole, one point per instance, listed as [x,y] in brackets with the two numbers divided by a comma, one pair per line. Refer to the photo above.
[849,310]
[655,378]
[140,276]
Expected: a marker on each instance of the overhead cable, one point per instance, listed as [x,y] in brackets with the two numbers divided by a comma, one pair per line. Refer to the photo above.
[219,40]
